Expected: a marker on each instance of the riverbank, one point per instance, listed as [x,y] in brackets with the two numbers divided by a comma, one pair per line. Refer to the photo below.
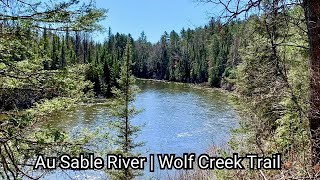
[202,86]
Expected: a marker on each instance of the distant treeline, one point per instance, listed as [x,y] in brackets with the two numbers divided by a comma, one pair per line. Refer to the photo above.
[204,55]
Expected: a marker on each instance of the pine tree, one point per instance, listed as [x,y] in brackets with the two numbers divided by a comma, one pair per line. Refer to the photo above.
[54,53]
[70,53]
[164,60]
[125,131]
[141,56]
[45,43]
[77,48]
[107,79]
[63,54]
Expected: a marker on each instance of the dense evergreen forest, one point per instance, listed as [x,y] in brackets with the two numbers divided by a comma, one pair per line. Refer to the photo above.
[202,55]
[49,62]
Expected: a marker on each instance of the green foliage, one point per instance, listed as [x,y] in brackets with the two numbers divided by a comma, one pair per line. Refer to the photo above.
[123,111]
[188,57]
[38,76]
[272,86]
[47,72]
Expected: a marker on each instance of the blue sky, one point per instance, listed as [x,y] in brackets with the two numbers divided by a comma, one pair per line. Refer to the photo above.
[153,16]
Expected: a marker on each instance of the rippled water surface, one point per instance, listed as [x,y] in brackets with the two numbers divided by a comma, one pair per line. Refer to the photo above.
[177,119]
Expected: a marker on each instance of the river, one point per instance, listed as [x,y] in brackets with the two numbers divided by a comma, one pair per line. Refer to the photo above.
[177,119]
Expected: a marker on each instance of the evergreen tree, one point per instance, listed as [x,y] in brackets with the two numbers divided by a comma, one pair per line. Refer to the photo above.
[54,53]
[107,79]
[142,54]
[124,111]
[164,58]
[63,54]
[45,43]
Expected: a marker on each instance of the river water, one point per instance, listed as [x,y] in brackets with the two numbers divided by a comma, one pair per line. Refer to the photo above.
[177,119]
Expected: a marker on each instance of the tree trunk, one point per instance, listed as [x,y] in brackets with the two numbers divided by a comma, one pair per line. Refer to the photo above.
[312,16]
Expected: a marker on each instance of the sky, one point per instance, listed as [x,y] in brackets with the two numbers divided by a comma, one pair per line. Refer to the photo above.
[153,16]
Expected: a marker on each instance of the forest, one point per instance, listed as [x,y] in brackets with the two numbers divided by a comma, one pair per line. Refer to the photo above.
[264,53]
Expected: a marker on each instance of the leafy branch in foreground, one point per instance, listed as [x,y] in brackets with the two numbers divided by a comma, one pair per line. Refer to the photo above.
[57,15]
[26,82]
